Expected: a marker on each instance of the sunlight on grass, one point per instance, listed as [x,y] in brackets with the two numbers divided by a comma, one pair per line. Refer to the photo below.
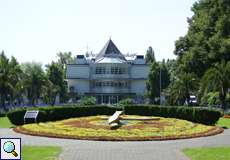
[219,153]
[40,153]
[224,122]
[5,123]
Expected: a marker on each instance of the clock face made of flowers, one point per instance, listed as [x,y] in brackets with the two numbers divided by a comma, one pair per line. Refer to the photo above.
[131,128]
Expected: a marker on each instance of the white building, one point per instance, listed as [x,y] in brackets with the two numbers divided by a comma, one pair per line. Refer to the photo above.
[110,76]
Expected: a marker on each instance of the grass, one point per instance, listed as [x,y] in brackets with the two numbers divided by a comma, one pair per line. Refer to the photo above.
[40,153]
[224,122]
[5,123]
[219,153]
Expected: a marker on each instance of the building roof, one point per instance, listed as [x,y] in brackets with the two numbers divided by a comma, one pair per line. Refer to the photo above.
[111,52]
[110,60]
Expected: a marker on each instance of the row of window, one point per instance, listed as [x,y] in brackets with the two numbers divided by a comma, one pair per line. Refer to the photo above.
[121,84]
[112,70]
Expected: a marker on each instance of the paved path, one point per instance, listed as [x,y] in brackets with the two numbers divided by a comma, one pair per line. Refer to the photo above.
[97,150]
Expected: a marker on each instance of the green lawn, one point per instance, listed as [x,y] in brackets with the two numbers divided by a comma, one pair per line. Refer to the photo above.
[224,122]
[220,153]
[40,153]
[5,123]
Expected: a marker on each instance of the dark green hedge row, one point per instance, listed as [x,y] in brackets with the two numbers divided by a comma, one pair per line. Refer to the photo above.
[61,112]
[199,115]
[2,114]
[194,114]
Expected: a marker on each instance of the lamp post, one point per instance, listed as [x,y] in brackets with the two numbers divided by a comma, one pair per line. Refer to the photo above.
[160,85]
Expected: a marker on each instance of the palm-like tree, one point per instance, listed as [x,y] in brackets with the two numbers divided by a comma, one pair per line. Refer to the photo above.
[10,74]
[34,80]
[182,88]
[217,78]
[5,85]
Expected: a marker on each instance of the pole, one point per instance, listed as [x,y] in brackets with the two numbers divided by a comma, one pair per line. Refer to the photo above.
[160,85]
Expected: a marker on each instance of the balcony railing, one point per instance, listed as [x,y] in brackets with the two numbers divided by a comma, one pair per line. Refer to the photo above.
[110,76]
[110,90]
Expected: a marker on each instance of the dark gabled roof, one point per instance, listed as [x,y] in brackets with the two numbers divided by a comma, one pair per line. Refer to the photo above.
[110,50]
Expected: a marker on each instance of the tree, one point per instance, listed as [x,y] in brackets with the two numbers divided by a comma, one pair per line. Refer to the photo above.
[63,59]
[150,57]
[158,75]
[165,76]
[10,76]
[179,91]
[5,85]
[217,78]
[152,84]
[207,41]
[57,84]
[33,81]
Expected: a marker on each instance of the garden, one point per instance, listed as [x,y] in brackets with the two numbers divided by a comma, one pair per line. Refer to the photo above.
[91,122]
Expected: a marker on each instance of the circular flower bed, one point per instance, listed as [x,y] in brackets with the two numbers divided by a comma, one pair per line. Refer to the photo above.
[226,116]
[97,128]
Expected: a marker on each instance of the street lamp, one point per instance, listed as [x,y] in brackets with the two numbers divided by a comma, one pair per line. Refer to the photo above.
[160,84]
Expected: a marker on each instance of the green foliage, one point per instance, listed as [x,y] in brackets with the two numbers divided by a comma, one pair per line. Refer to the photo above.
[198,115]
[207,40]
[10,80]
[180,90]
[150,56]
[61,112]
[2,114]
[158,78]
[88,101]
[65,58]
[56,83]
[126,101]
[33,81]
[217,79]
[211,98]
[152,84]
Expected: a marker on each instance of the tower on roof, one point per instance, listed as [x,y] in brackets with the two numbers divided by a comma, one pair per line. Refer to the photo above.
[110,50]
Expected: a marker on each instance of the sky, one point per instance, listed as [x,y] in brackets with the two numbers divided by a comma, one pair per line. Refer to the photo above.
[36,30]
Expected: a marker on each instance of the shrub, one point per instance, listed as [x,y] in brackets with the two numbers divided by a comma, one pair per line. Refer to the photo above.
[194,114]
[88,101]
[2,114]
[60,112]
[126,101]
[198,115]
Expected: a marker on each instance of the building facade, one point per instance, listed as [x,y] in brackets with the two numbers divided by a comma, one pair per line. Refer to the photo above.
[109,76]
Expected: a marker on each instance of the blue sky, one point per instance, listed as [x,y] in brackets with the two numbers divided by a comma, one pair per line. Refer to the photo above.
[35,30]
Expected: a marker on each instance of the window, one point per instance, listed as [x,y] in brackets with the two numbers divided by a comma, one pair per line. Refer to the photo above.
[80,56]
[140,57]
[100,70]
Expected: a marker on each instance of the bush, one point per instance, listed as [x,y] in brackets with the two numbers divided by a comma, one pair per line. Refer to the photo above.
[60,112]
[211,98]
[198,115]
[126,101]
[88,101]
[2,114]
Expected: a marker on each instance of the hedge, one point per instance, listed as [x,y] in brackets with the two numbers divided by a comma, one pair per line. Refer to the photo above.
[60,112]
[198,115]
[2,114]
[194,114]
